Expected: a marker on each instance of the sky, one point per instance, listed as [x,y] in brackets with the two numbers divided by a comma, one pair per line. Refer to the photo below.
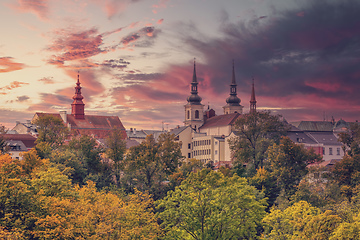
[135,58]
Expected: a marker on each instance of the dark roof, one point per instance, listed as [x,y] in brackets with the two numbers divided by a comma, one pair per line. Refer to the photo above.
[16,145]
[221,120]
[177,131]
[327,138]
[314,126]
[300,137]
[131,143]
[27,139]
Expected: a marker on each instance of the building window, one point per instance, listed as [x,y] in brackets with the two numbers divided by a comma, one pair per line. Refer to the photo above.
[189,155]
[338,151]
[323,151]
[188,114]
[215,152]
[189,146]
[216,143]
[330,151]
[197,114]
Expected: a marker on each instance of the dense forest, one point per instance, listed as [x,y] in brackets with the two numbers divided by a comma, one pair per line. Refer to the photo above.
[72,187]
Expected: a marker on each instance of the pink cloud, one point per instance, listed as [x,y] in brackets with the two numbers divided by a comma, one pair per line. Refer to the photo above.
[161,5]
[38,7]
[160,21]
[75,45]
[8,65]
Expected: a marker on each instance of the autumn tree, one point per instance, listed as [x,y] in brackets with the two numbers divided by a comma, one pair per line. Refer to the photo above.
[300,221]
[208,205]
[3,146]
[255,132]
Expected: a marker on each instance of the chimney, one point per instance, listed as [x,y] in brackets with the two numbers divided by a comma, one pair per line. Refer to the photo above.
[17,122]
[28,121]
[63,116]
[134,132]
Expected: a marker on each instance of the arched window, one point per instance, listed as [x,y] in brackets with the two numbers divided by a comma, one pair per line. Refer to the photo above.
[188,114]
[197,114]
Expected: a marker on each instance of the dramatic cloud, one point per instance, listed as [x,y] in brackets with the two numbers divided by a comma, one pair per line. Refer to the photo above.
[311,52]
[146,35]
[8,65]
[117,64]
[38,7]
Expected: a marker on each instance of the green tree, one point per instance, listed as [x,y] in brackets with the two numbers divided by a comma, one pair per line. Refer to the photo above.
[255,133]
[351,139]
[208,205]
[288,163]
[265,181]
[51,130]
[87,151]
[149,165]
[115,150]
[347,173]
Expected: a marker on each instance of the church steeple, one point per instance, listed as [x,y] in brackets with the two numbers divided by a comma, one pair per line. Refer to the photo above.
[253,100]
[77,107]
[233,102]
[194,110]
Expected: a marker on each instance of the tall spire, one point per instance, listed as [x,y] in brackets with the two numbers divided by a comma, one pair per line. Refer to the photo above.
[194,98]
[233,102]
[233,99]
[253,100]
[77,107]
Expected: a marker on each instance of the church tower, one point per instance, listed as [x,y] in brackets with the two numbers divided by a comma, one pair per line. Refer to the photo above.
[252,100]
[77,107]
[194,110]
[233,102]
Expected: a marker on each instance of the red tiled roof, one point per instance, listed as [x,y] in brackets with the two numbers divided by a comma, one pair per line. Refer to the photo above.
[221,120]
[99,126]
[27,139]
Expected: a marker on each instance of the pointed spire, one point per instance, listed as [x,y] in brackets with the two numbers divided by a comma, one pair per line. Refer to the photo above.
[194,98]
[233,99]
[253,100]
[233,81]
[194,73]
[77,107]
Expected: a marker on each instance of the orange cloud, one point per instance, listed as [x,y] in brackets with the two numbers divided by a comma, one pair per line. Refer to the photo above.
[160,21]
[7,65]
[12,85]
